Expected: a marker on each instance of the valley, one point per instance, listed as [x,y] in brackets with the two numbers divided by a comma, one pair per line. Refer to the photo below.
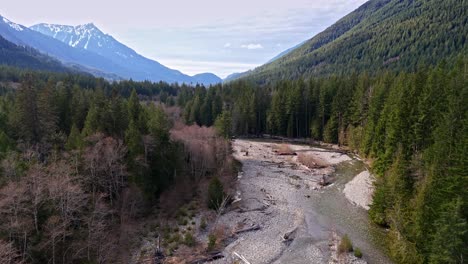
[349,146]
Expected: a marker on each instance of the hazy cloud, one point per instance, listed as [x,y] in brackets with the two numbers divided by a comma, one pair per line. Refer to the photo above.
[227,45]
[252,46]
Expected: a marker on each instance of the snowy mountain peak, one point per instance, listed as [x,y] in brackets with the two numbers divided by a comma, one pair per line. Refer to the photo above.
[87,47]
[80,36]
[15,26]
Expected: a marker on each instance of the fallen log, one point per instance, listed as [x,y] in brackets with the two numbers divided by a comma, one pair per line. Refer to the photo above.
[261,209]
[286,153]
[248,229]
[211,256]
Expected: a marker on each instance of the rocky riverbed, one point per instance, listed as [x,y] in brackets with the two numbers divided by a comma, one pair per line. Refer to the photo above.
[275,191]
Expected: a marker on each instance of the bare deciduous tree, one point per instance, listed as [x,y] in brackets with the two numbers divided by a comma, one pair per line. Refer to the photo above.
[105,166]
[8,254]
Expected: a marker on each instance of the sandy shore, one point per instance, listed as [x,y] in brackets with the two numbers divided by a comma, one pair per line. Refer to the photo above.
[273,194]
[359,190]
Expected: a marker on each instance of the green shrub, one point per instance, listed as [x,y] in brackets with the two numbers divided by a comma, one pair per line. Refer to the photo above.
[192,206]
[203,224]
[171,248]
[189,240]
[357,252]
[182,212]
[182,221]
[345,245]
[215,193]
[175,238]
[211,242]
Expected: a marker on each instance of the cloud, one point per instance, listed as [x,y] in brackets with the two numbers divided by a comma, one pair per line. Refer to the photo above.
[252,46]
[227,45]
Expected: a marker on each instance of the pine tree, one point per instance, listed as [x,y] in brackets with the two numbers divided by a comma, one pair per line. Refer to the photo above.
[158,124]
[451,228]
[133,139]
[47,113]
[223,124]
[91,124]
[26,115]
[75,139]
[133,106]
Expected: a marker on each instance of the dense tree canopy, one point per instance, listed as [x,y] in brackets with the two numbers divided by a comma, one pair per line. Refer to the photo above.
[413,126]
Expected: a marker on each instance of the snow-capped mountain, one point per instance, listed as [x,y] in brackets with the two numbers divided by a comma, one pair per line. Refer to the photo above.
[87,37]
[87,48]
[90,38]
[77,58]
[12,24]
[79,36]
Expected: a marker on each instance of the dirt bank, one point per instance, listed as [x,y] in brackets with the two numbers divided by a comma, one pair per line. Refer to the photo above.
[359,190]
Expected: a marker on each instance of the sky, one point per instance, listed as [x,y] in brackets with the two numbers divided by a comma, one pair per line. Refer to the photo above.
[193,36]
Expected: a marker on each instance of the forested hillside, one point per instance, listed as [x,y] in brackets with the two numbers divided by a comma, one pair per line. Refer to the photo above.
[88,166]
[82,158]
[380,35]
[84,163]
[412,126]
[13,55]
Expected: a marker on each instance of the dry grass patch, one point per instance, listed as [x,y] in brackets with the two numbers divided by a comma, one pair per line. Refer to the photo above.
[284,149]
[311,161]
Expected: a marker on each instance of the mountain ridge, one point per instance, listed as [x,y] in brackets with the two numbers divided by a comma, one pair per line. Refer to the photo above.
[91,38]
[23,57]
[379,35]
[87,48]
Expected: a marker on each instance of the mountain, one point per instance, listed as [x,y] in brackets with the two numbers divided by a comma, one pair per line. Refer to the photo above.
[286,52]
[87,48]
[237,75]
[207,78]
[90,38]
[77,58]
[381,34]
[24,57]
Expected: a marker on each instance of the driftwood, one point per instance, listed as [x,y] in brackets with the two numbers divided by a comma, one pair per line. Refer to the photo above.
[286,153]
[242,210]
[342,152]
[248,229]
[289,236]
[211,256]
[241,258]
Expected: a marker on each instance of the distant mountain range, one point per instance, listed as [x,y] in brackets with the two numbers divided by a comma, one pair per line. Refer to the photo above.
[379,35]
[86,47]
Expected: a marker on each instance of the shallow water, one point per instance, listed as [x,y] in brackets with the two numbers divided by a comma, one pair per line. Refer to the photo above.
[330,210]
